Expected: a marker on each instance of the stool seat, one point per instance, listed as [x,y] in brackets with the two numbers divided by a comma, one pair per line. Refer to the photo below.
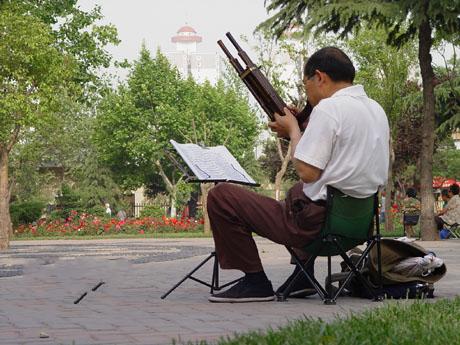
[349,222]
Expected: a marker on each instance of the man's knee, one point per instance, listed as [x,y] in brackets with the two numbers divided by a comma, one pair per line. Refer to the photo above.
[220,194]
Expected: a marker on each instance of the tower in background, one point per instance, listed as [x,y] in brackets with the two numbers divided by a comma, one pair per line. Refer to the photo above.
[190,62]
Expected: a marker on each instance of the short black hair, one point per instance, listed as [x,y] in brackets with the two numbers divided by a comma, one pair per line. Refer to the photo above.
[445,192]
[411,192]
[332,61]
[454,188]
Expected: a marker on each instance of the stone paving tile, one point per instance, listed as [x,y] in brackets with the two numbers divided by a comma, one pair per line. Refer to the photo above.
[112,337]
[71,336]
[31,341]
[153,338]
[9,333]
[128,309]
[197,337]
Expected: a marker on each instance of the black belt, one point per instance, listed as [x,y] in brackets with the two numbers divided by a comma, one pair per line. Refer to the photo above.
[299,204]
[322,203]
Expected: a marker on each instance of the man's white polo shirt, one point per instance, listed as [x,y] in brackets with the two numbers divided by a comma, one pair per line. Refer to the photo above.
[348,138]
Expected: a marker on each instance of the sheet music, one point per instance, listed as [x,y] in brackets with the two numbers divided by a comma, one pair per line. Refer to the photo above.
[212,163]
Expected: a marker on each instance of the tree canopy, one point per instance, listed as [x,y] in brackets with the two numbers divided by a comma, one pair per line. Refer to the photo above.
[76,33]
[50,50]
[403,20]
[155,105]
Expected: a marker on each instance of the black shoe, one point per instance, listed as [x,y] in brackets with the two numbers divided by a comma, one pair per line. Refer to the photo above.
[245,291]
[302,287]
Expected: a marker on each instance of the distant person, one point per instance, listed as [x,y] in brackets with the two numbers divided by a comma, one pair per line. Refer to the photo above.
[50,208]
[185,212]
[410,207]
[192,204]
[445,197]
[108,211]
[395,208]
[382,208]
[121,215]
[451,213]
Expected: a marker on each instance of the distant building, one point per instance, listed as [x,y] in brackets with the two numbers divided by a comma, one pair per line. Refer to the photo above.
[189,62]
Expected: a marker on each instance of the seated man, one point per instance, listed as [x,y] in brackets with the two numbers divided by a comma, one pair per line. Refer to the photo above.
[451,213]
[445,197]
[345,145]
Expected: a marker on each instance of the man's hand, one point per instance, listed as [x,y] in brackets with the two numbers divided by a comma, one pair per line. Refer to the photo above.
[293,109]
[285,126]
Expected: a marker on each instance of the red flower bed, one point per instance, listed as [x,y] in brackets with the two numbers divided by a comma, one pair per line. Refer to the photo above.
[85,224]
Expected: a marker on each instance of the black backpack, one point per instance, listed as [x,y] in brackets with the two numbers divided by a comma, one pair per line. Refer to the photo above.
[394,285]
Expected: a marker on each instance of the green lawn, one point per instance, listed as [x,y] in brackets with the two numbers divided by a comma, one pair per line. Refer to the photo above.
[398,230]
[418,323]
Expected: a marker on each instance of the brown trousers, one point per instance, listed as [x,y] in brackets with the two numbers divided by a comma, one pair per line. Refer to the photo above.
[236,212]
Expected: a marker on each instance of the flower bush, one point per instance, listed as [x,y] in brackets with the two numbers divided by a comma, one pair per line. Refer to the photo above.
[89,225]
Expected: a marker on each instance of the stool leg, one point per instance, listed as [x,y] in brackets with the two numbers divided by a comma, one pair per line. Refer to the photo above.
[329,300]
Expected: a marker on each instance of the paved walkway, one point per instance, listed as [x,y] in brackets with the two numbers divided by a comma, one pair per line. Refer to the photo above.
[40,281]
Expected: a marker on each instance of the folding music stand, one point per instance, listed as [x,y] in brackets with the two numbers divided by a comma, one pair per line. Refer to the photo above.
[214,285]
[208,165]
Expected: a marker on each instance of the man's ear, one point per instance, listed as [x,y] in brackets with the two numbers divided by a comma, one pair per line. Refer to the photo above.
[322,77]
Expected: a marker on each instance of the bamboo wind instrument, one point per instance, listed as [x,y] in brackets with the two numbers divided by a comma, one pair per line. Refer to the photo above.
[259,86]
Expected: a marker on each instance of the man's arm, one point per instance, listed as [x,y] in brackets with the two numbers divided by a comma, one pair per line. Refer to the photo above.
[287,126]
[450,206]
[307,173]
[447,208]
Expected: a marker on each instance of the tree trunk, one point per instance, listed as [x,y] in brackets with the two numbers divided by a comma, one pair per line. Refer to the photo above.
[5,220]
[170,187]
[205,188]
[284,164]
[172,207]
[428,227]
[389,217]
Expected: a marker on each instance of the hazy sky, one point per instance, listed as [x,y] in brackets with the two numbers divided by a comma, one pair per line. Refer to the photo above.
[156,21]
